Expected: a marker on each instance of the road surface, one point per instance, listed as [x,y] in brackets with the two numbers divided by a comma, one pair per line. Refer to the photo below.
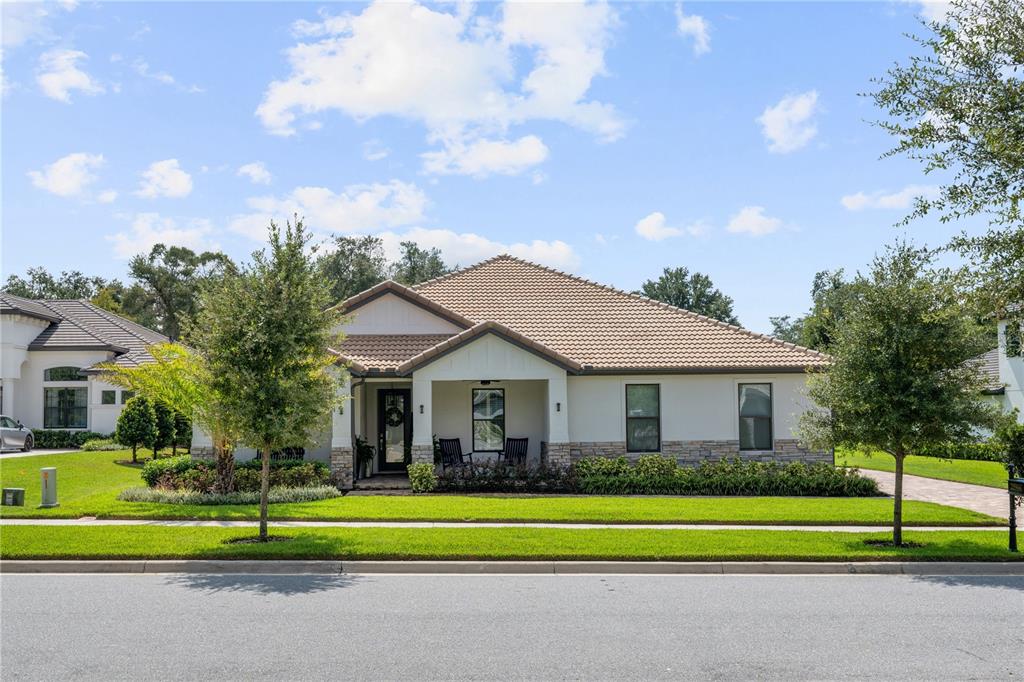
[231,627]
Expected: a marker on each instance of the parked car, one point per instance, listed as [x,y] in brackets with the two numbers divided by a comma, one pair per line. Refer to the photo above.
[14,435]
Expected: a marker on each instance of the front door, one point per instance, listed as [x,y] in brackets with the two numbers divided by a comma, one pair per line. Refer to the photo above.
[394,428]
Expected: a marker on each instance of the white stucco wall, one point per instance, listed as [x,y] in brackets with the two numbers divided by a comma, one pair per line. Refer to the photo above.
[1011,373]
[693,407]
[524,412]
[390,314]
[28,389]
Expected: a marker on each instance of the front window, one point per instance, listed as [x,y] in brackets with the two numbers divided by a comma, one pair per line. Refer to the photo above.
[643,418]
[65,408]
[755,416]
[488,419]
[63,374]
[108,397]
[126,396]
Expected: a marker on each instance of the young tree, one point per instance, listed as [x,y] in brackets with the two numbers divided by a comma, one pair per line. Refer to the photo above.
[182,433]
[901,380]
[181,378]
[137,424]
[694,292]
[418,265]
[265,332]
[165,434]
[355,264]
[957,107]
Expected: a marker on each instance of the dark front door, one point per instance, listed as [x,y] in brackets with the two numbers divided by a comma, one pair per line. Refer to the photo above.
[394,429]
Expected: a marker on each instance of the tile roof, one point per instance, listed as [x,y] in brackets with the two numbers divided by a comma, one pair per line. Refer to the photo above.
[604,329]
[989,366]
[369,353]
[80,325]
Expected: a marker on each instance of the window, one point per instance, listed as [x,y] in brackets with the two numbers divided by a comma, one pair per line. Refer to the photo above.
[65,408]
[755,416]
[643,418]
[63,374]
[108,397]
[488,419]
[126,396]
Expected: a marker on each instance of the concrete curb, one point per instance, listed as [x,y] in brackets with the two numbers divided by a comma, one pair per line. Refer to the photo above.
[157,566]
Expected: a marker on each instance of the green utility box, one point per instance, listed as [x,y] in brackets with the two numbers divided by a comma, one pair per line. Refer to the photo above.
[13,497]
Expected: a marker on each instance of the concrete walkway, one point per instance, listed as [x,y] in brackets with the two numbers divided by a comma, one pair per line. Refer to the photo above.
[189,523]
[14,454]
[979,498]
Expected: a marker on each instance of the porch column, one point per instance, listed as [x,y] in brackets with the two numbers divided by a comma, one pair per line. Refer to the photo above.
[8,398]
[422,420]
[342,458]
[557,448]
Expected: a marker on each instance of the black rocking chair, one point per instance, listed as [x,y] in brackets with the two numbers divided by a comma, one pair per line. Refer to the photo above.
[451,453]
[515,451]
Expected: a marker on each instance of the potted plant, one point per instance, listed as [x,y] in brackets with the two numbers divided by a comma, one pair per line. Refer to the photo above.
[364,457]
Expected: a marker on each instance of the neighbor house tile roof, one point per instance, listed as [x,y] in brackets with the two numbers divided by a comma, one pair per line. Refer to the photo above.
[604,329]
[584,326]
[80,325]
[988,364]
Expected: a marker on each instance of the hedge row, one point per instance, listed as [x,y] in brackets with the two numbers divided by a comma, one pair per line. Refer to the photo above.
[185,474]
[59,438]
[986,451]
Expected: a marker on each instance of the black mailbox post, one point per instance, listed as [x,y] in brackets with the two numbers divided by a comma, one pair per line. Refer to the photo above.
[1015,486]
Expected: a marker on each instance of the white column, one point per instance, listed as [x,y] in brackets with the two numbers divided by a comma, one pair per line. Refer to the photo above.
[422,411]
[8,398]
[558,410]
[341,418]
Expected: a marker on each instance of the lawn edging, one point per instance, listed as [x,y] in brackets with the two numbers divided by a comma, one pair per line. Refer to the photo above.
[164,566]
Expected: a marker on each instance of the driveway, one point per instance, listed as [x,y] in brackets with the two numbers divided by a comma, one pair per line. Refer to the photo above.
[11,454]
[977,498]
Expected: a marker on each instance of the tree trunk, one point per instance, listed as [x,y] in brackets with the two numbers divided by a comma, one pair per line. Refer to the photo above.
[134,459]
[225,467]
[897,509]
[264,494]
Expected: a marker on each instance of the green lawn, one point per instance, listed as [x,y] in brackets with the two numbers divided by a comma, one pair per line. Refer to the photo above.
[124,542]
[88,484]
[991,474]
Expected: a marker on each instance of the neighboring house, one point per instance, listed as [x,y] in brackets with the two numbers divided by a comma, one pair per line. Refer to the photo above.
[1004,367]
[48,356]
[507,348]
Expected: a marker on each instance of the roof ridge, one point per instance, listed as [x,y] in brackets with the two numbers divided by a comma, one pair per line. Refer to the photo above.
[460,271]
[653,302]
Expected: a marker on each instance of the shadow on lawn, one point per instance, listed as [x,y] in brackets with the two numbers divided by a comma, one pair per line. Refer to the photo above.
[286,585]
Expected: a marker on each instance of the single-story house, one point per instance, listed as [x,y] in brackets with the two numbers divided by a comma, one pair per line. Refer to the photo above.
[48,356]
[507,348]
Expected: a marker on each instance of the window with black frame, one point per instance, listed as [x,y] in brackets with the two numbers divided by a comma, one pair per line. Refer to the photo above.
[65,408]
[755,416]
[643,418]
[488,419]
[64,374]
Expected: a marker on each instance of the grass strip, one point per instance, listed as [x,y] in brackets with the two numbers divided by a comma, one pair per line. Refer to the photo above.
[141,542]
[990,474]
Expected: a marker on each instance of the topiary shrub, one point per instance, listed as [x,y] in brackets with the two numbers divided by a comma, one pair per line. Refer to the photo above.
[137,424]
[422,477]
[155,469]
[165,432]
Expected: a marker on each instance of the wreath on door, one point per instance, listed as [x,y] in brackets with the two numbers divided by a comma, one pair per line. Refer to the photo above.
[394,416]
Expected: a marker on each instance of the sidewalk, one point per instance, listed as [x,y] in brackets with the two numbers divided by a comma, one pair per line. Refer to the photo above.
[188,523]
[979,498]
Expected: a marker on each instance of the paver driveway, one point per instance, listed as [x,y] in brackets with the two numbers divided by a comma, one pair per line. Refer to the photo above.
[978,498]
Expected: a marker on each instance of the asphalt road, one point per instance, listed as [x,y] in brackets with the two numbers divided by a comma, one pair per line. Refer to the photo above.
[213,627]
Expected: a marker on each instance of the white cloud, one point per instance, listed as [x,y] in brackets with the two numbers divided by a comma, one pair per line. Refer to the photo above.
[752,220]
[453,71]
[69,176]
[58,75]
[696,27]
[901,199]
[481,158]
[789,124]
[466,248]
[932,10]
[654,228]
[256,172]
[356,208]
[165,179]
[374,150]
[141,67]
[107,196]
[24,22]
[149,229]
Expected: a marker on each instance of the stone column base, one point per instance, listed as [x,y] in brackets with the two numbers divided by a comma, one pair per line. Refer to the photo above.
[555,455]
[341,467]
[202,452]
[422,454]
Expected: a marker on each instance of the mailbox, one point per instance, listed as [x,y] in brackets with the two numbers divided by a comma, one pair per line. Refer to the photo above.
[13,497]
[1015,486]
[48,479]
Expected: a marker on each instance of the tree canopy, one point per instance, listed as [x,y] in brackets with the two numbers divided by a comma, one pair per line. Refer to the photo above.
[831,294]
[417,265]
[353,264]
[694,292]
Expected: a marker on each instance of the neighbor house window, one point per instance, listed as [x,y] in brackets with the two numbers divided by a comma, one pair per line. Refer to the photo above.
[488,419]
[108,397]
[65,408]
[643,418]
[755,416]
[63,374]
[126,396]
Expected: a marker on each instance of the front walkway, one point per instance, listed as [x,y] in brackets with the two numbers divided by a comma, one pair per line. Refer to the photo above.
[979,498]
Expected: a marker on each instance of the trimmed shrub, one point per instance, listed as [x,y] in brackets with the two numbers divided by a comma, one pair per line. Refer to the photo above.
[500,477]
[422,477]
[98,444]
[137,424]
[277,496]
[985,451]
[46,439]
[184,473]
[164,435]
[601,466]
[734,477]
[156,469]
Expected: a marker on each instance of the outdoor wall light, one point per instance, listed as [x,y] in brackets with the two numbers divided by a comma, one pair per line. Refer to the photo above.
[558,407]
[421,409]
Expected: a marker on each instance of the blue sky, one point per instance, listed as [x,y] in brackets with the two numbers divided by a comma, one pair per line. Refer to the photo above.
[608,140]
